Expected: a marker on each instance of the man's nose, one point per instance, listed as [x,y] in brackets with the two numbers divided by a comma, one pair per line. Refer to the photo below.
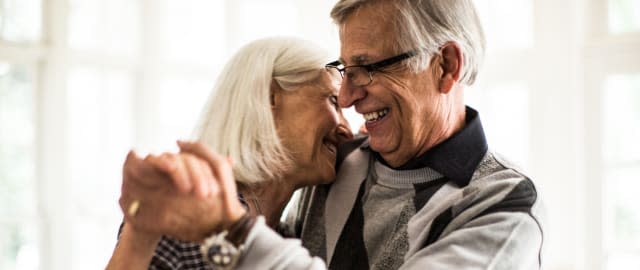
[350,94]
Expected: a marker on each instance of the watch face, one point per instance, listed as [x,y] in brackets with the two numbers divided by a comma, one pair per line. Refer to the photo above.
[218,251]
[219,254]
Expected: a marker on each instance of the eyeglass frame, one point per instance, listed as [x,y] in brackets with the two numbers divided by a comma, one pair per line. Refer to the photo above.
[373,67]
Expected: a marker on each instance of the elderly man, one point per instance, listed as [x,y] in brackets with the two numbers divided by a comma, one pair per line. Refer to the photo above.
[423,190]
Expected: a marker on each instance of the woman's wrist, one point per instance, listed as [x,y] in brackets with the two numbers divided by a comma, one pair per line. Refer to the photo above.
[134,250]
[139,240]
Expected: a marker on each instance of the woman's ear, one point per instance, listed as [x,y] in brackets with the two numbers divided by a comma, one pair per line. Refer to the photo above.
[451,62]
[273,100]
[274,93]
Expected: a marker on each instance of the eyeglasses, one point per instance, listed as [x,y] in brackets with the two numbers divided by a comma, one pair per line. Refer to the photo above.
[362,75]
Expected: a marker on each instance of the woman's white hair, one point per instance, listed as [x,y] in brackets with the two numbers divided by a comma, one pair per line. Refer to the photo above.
[427,25]
[237,120]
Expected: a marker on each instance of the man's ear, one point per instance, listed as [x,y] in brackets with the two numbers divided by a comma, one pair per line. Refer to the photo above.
[451,62]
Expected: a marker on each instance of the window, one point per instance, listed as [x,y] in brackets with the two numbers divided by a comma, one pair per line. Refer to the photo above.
[104,52]
[180,100]
[192,31]
[20,25]
[270,25]
[18,223]
[509,23]
[624,16]
[501,93]
[20,20]
[621,153]
[110,27]
[101,129]
[504,112]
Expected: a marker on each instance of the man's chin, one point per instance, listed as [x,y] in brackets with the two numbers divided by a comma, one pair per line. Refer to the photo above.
[378,144]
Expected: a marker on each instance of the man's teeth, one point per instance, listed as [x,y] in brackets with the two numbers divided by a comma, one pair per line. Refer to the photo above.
[374,116]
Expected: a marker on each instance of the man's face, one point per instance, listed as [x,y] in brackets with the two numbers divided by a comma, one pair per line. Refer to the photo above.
[400,108]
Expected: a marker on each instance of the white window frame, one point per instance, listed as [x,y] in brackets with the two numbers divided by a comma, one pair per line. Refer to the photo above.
[605,54]
[565,71]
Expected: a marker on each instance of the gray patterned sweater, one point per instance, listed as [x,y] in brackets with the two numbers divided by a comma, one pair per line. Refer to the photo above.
[460,206]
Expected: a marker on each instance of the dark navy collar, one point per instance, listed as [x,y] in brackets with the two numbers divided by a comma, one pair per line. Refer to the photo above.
[457,157]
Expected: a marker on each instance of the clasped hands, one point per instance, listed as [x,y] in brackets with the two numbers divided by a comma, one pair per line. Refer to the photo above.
[187,195]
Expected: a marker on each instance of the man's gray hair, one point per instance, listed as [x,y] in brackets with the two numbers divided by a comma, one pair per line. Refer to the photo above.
[427,25]
[237,120]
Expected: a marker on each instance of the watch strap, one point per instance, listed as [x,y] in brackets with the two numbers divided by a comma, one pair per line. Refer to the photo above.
[240,229]
[223,250]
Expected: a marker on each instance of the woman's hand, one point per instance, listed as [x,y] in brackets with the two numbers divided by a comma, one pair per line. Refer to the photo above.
[186,195]
[188,173]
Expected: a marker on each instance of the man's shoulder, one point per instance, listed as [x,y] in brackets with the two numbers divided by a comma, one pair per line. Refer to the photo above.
[348,147]
[500,185]
[494,168]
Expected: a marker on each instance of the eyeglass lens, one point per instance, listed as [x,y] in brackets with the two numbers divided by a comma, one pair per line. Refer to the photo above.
[357,76]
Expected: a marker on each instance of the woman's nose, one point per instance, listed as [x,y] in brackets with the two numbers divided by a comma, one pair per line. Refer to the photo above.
[343,133]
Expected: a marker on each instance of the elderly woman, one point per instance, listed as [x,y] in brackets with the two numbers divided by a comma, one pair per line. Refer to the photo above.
[274,115]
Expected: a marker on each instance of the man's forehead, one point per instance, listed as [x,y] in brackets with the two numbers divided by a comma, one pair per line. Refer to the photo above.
[361,45]
[364,38]
[363,54]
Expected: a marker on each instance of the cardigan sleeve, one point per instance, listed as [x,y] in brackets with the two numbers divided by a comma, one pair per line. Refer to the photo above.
[266,249]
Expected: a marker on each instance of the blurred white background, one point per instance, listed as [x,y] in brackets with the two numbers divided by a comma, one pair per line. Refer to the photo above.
[83,81]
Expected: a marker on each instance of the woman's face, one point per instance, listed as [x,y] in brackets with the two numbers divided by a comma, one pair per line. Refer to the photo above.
[311,125]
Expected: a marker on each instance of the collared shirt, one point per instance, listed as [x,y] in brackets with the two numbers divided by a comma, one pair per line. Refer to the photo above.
[457,157]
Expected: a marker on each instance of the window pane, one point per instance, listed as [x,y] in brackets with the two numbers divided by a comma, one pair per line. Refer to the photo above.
[508,24]
[181,101]
[285,23]
[193,31]
[621,130]
[20,20]
[18,237]
[101,131]
[624,16]
[504,112]
[621,121]
[105,26]
[622,228]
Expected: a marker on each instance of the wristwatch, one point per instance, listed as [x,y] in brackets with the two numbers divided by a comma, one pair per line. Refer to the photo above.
[223,250]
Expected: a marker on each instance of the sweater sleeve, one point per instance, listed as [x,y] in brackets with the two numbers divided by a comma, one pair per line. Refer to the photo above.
[268,250]
[502,240]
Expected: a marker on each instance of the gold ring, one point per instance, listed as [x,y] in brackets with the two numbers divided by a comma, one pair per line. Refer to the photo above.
[133,208]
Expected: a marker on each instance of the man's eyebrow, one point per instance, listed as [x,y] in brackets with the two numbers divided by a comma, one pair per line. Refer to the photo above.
[359,59]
